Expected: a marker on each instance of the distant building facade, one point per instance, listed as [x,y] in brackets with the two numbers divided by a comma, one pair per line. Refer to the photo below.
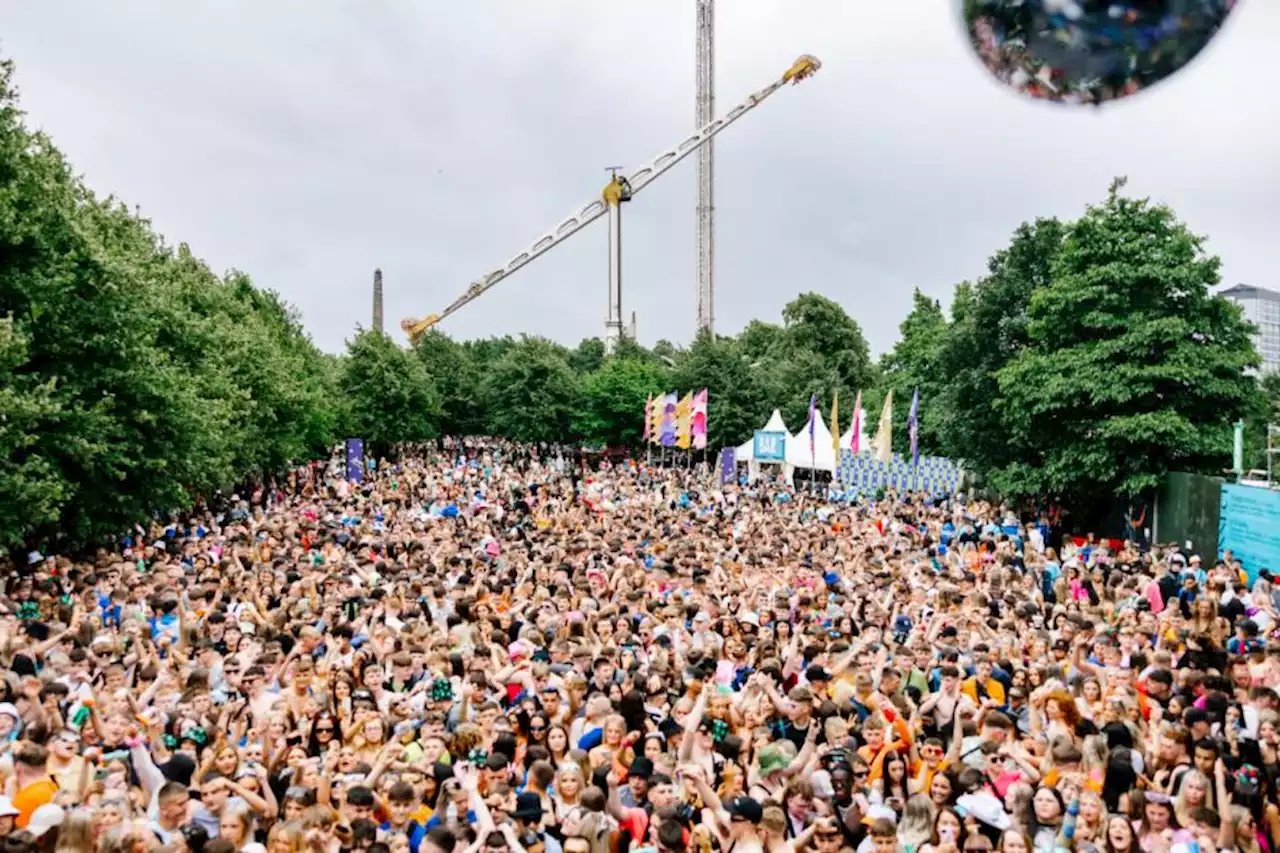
[1261,307]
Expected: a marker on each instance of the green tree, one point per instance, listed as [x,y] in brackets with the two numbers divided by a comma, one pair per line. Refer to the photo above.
[815,323]
[1264,412]
[487,351]
[988,328]
[634,350]
[737,399]
[914,364]
[759,339]
[588,356]
[390,395]
[1133,366]
[135,379]
[611,409]
[131,431]
[457,377]
[788,382]
[667,353]
[531,393]
[31,487]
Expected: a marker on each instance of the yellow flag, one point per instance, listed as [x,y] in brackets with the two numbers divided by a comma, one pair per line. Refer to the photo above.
[684,422]
[835,426]
[884,434]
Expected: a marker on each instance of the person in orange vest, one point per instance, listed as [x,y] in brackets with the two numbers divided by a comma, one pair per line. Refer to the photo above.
[981,686]
[34,785]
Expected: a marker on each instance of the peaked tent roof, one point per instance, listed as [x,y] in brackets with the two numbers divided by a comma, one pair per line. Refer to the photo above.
[746,451]
[823,457]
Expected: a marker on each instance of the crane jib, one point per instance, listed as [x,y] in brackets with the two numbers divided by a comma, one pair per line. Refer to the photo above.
[804,67]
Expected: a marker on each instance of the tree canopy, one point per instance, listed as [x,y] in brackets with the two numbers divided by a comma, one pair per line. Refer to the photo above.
[135,379]
[1132,366]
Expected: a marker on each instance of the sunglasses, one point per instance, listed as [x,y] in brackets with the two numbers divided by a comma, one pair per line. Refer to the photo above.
[324,730]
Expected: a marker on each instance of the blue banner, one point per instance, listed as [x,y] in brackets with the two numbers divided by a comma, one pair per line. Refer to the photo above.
[863,474]
[1249,527]
[355,460]
[728,465]
[769,446]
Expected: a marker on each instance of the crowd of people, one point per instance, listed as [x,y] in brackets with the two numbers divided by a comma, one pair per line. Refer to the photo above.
[486,647]
[1090,51]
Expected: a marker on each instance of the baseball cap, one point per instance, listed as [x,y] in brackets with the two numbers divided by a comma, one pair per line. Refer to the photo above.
[528,807]
[745,808]
[641,768]
[816,673]
[44,819]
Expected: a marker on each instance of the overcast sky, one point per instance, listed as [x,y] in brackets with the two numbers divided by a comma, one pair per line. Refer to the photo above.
[309,142]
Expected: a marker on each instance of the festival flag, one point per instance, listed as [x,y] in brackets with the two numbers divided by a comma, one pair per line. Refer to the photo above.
[855,443]
[655,419]
[884,433]
[667,429]
[835,425]
[813,424]
[700,420]
[648,423]
[913,427]
[684,422]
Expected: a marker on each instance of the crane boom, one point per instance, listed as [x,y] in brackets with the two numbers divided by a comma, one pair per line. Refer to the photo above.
[624,186]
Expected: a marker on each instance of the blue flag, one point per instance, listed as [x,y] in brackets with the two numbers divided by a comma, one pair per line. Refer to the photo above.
[913,427]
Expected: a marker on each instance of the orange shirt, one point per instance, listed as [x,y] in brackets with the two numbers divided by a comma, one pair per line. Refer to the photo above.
[926,773]
[31,798]
[875,759]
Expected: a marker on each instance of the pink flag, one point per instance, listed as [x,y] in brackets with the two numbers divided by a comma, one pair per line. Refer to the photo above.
[700,419]
[855,443]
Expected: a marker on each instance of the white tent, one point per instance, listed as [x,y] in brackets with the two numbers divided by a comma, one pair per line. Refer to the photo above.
[823,456]
[746,451]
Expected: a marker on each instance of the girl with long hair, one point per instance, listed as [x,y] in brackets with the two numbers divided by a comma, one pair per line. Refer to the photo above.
[948,833]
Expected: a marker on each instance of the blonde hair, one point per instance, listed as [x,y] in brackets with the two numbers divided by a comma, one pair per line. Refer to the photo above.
[917,821]
[291,833]
[239,810]
[75,834]
[1181,807]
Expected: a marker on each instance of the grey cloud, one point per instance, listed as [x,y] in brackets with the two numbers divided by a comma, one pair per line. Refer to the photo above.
[307,143]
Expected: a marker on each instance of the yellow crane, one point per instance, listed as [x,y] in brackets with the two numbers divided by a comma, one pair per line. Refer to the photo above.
[621,188]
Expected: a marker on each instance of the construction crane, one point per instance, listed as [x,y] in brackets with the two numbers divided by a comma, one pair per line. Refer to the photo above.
[704,112]
[620,189]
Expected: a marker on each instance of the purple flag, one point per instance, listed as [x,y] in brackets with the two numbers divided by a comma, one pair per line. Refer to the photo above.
[355,460]
[728,465]
[913,427]
[813,424]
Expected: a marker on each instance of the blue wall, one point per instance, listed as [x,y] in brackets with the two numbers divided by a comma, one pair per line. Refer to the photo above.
[1249,525]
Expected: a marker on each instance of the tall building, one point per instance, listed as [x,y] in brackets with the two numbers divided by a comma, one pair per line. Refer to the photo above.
[1261,307]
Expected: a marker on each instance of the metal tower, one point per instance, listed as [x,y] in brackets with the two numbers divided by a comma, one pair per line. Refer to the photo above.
[706,108]
[617,193]
[377,300]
